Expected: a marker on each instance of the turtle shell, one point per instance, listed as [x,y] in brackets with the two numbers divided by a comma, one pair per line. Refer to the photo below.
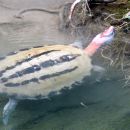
[40,71]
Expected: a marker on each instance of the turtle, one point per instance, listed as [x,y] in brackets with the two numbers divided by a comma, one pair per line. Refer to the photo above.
[42,71]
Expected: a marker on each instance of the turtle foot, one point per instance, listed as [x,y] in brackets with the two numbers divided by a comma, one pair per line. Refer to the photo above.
[8,109]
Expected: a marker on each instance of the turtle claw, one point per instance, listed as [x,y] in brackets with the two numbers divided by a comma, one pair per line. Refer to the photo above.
[8,108]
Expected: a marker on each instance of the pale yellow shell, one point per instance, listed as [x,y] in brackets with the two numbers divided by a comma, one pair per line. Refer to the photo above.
[52,84]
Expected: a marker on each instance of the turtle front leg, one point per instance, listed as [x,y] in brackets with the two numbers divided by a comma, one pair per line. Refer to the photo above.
[8,109]
[100,70]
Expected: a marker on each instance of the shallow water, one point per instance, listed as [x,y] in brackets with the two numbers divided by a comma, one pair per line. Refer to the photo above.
[88,106]
[105,107]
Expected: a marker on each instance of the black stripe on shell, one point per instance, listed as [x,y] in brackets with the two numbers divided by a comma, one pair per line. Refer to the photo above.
[38,46]
[28,70]
[44,77]
[32,57]
[12,84]
[57,73]
[11,53]
[2,58]
[62,59]
[45,64]
[4,80]
[25,60]
[24,49]
[1,73]
[44,53]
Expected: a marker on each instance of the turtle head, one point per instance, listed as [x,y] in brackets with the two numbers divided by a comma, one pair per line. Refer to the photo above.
[105,37]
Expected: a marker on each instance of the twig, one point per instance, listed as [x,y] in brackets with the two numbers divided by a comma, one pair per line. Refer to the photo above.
[111,61]
[110,16]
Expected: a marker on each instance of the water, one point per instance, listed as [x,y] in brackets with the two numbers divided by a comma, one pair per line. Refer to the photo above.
[106,106]
[89,106]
